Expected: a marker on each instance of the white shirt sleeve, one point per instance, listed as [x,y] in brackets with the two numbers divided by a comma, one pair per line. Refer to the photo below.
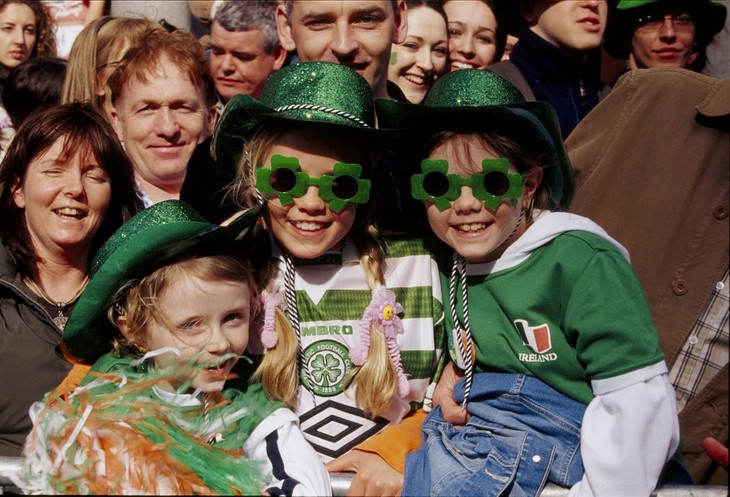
[290,464]
[630,429]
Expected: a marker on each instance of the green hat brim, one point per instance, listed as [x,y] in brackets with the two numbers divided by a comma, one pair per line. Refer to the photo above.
[244,115]
[709,18]
[88,333]
[315,93]
[533,125]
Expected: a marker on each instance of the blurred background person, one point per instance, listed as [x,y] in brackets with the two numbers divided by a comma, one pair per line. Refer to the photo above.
[244,47]
[652,33]
[511,40]
[35,83]
[95,53]
[717,53]
[557,56]
[65,186]
[70,17]
[422,57]
[476,40]
[26,31]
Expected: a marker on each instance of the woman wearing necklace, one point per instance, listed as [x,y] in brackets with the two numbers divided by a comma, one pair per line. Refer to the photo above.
[65,186]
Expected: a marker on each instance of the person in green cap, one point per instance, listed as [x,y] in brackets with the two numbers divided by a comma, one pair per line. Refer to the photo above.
[165,317]
[556,367]
[670,33]
[366,310]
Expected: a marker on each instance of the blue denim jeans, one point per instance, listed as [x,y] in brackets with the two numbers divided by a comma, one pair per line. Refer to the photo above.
[522,433]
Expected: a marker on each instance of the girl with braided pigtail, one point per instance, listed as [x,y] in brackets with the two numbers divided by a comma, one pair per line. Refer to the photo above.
[365,311]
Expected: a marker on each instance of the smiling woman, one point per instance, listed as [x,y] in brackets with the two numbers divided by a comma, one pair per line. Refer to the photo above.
[65,186]
[475,38]
[421,58]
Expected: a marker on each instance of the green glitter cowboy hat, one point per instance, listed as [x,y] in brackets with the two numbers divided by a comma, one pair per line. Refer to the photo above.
[708,17]
[309,92]
[149,240]
[479,100]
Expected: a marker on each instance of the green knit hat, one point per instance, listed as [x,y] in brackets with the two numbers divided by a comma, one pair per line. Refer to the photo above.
[309,92]
[156,236]
[479,100]
[708,16]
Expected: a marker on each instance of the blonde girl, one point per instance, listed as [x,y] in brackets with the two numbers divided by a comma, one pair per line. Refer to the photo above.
[365,311]
[155,412]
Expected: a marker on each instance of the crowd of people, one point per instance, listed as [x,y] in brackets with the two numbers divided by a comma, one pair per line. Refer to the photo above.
[422,241]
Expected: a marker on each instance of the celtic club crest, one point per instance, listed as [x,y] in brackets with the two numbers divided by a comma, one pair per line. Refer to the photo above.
[326,363]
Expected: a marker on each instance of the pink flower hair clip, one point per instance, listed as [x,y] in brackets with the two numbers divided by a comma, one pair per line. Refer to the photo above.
[270,302]
[383,312]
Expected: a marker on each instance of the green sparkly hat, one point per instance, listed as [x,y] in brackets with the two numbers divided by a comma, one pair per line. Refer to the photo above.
[151,239]
[480,100]
[708,16]
[309,92]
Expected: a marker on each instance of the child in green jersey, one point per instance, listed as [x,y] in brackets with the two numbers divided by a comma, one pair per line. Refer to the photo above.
[557,372]
[365,309]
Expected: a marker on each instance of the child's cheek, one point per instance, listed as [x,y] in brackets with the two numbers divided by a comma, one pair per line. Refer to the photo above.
[436,218]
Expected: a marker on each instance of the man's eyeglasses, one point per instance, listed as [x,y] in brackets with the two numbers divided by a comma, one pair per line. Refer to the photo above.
[654,22]
[491,185]
[285,180]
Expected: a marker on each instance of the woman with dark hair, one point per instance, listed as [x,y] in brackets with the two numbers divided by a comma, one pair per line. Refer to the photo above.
[65,186]
[416,63]
[26,31]
[476,38]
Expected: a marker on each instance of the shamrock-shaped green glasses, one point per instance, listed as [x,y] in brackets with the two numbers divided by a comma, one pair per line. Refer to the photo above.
[285,180]
[494,183]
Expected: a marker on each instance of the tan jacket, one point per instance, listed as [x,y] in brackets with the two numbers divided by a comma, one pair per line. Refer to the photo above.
[652,166]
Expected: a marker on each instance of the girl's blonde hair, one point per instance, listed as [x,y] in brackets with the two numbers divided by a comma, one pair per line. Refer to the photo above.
[138,300]
[376,381]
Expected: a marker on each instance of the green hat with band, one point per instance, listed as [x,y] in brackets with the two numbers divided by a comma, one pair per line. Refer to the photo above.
[153,238]
[323,93]
[482,101]
[708,17]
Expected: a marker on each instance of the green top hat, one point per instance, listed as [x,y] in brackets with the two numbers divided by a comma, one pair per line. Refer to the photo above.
[312,92]
[151,239]
[479,100]
[708,17]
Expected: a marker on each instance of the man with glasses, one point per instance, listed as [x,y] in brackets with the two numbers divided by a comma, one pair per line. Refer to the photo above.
[653,33]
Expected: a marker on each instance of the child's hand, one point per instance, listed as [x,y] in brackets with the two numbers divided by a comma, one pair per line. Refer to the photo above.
[373,476]
[443,395]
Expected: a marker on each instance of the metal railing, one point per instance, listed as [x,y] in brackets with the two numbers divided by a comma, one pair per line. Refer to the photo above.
[341,482]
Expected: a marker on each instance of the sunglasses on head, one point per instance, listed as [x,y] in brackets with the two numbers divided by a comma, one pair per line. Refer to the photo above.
[494,183]
[286,180]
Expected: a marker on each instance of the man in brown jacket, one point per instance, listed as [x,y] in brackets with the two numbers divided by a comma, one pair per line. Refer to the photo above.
[652,163]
